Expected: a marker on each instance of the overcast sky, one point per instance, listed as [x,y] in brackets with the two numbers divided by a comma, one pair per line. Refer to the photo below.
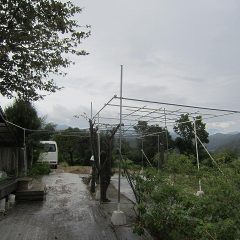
[173,51]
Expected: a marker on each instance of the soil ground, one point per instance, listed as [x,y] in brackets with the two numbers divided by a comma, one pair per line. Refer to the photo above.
[73,169]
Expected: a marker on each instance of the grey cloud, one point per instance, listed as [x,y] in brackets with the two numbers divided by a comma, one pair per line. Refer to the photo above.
[62,115]
[174,51]
[192,79]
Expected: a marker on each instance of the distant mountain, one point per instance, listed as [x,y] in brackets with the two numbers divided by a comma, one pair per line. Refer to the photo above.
[220,141]
[174,135]
[60,127]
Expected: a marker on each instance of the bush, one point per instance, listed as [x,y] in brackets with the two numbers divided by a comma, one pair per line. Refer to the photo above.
[129,164]
[225,156]
[171,210]
[64,164]
[39,169]
[180,164]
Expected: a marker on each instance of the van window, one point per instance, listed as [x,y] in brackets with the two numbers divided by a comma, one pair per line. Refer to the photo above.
[49,148]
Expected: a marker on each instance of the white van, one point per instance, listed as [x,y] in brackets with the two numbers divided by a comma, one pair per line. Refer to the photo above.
[49,153]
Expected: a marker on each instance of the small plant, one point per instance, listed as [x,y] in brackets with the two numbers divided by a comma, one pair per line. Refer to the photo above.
[3,176]
[64,164]
[39,169]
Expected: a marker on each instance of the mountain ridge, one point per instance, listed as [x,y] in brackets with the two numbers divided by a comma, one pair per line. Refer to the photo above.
[221,141]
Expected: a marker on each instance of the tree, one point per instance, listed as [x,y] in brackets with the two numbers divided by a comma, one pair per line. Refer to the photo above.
[36,37]
[24,114]
[105,168]
[49,129]
[73,146]
[151,134]
[185,129]
[67,145]
[94,148]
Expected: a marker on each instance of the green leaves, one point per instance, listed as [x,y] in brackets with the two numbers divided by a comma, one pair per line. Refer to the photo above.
[171,210]
[34,37]
[24,115]
[151,134]
[184,127]
[73,146]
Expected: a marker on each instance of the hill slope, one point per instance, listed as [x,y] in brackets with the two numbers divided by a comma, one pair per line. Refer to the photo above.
[220,141]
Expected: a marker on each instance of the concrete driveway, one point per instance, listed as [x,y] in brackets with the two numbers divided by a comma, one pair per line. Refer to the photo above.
[68,213]
[125,187]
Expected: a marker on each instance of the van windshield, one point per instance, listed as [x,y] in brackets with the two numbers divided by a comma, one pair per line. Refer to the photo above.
[49,147]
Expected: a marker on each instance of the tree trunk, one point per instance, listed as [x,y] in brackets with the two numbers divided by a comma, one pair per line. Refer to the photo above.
[95,167]
[106,165]
[71,158]
[93,179]
[105,176]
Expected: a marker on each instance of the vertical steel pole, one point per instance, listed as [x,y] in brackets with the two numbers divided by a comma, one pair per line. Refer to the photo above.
[91,111]
[120,139]
[196,145]
[142,153]
[166,133]
[24,152]
[99,159]
[158,152]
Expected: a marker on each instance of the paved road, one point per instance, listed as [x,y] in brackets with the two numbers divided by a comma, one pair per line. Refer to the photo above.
[126,190]
[68,213]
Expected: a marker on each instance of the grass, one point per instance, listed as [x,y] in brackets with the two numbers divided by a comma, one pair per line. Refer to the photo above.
[39,169]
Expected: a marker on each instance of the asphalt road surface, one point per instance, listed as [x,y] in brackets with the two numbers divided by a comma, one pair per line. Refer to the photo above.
[67,213]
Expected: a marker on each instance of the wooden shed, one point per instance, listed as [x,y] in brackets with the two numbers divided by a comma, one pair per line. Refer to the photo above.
[11,154]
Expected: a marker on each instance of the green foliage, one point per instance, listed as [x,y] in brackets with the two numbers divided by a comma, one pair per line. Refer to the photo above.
[179,164]
[129,150]
[36,37]
[129,164]
[24,114]
[225,156]
[48,131]
[170,209]
[150,142]
[138,229]
[3,178]
[222,158]
[159,159]
[39,169]
[73,146]
[135,155]
[185,129]
[64,164]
